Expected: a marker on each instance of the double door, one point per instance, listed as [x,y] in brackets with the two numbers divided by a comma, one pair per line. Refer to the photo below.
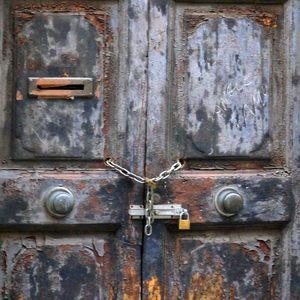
[146,84]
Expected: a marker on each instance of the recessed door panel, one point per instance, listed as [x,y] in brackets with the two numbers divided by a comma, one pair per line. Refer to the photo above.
[228,87]
[61,119]
[59,266]
[224,75]
[225,265]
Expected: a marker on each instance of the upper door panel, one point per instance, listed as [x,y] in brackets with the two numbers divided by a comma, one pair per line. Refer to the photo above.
[50,120]
[226,76]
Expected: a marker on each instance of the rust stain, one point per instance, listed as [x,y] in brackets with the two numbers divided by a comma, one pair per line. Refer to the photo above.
[80,185]
[233,292]
[99,21]
[19,96]
[25,15]
[176,293]
[207,287]
[98,88]
[234,247]
[98,165]
[264,247]
[195,190]
[267,21]
[154,288]
[194,18]
[131,286]
[248,165]
[22,41]
[253,254]
[109,39]
[9,190]
[104,128]
[62,6]
[32,65]
[273,288]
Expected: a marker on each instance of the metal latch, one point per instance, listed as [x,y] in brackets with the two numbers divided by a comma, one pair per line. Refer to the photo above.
[161,211]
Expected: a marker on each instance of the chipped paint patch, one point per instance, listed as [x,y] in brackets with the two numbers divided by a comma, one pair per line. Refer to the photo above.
[213,265]
[130,285]
[207,287]
[19,96]
[98,88]
[154,288]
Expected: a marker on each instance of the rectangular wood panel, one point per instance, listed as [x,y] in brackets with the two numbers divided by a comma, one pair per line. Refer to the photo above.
[64,45]
[225,265]
[224,74]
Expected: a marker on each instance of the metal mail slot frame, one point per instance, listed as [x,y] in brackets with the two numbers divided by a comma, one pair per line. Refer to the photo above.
[60,87]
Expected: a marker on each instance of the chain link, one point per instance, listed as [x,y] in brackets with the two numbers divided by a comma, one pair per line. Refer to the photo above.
[162,176]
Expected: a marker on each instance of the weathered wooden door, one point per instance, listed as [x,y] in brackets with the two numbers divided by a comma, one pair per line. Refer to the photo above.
[54,143]
[223,89]
[147,83]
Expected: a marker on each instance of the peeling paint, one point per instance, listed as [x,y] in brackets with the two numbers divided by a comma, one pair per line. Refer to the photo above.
[19,96]
[154,289]
[130,286]
[206,287]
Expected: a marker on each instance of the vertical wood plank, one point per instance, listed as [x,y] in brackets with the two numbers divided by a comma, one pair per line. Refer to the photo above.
[154,282]
[291,277]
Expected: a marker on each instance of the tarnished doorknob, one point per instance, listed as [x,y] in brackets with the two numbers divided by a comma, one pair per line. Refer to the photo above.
[59,202]
[229,202]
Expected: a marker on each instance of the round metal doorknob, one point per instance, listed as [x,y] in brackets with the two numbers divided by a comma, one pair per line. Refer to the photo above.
[59,202]
[229,202]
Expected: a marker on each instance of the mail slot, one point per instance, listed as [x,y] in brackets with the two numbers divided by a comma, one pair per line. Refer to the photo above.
[60,88]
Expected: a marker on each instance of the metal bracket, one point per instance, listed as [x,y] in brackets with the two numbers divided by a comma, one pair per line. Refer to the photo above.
[161,211]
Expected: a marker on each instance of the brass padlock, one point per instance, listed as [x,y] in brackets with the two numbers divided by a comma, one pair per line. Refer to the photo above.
[184,224]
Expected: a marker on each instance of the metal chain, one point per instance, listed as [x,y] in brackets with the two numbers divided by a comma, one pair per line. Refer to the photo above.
[165,174]
[162,176]
[149,211]
[124,171]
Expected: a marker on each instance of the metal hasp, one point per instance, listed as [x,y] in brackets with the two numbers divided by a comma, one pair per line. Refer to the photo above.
[229,202]
[60,87]
[161,211]
[59,202]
